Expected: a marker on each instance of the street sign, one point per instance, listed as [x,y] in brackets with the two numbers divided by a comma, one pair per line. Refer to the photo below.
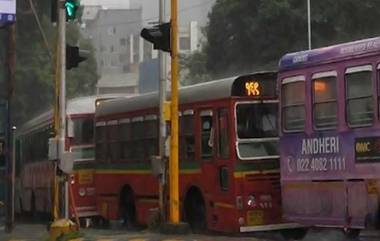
[7,11]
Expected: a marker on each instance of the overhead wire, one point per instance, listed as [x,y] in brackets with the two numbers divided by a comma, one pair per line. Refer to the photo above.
[42,32]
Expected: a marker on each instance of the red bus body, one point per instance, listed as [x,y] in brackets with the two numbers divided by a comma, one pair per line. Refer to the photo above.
[34,182]
[221,186]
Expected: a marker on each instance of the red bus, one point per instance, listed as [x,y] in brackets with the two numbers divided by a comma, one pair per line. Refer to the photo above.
[229,160]
[35,172]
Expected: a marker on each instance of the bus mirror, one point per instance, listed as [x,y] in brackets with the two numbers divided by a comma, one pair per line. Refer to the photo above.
[70,128]
[157,166]
[53,149]
[67,162]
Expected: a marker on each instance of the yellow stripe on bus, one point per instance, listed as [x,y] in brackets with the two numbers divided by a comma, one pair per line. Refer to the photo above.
[124,171]
[224,205]
[243,174]
[190,171]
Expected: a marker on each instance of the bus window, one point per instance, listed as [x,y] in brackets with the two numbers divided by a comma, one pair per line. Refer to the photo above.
[101,147]
[293,103]
[257,131]
[224,147]
[83,131]
[207,135]
[324,101]
[125,139]
[151,135]
[187,140]
[138,132]
[359,102]
[113,140]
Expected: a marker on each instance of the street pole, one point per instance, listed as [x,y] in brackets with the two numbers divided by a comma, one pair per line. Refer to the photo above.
[60,105]
[9,133]
[162,141]
[173,163]
[309,24]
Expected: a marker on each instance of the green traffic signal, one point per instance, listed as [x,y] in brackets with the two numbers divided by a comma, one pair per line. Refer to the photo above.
[71,7]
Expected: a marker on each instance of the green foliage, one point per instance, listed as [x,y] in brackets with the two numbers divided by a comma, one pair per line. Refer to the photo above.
[250,35]
[35,70]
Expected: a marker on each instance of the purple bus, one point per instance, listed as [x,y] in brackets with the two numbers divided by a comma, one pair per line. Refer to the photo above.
[330,135]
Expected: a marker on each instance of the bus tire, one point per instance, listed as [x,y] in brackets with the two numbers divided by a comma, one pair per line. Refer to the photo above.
[128,208]
[352,233]
[294,234]
[195,210]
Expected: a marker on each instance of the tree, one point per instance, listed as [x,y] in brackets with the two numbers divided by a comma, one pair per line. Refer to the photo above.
[34,87]
[250,35]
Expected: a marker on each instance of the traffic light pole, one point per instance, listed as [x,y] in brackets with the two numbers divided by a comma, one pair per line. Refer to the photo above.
[163,132]
[173,162]
[60,105]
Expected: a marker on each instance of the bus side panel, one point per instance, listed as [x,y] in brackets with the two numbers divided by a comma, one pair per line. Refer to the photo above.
[315,202]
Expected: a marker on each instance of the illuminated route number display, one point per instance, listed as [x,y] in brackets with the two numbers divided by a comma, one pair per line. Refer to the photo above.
[255,86]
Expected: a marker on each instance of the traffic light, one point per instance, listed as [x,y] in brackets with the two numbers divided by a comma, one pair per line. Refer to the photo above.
[72,57]
[71,7]
[159,36]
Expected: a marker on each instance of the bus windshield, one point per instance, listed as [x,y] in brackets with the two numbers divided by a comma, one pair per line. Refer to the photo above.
[257,130]
[83,131]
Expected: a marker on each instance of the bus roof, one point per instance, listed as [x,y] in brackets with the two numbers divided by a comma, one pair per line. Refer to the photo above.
[212,90]
[330,53]
[75,106]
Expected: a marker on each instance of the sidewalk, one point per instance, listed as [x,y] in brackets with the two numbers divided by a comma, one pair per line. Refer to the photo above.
[27,232]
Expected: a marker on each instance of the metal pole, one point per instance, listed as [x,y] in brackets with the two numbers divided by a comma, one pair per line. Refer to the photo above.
[309,23]
[173,163]
[60,103]
[62,97]
[9,147]
[162,141]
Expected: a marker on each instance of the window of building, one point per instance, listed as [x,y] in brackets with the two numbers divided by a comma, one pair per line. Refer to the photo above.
[123,42]
[223,126]
[184,43]
[112,48]
[207,135]
[293,103]
[324,101]
[187,140]
[359,102]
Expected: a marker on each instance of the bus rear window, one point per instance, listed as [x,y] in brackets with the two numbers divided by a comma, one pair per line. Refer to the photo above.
[324,101]
[359,102]
[293,107]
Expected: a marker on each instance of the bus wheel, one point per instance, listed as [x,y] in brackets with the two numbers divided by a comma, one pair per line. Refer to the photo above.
[294,234]
[352,233]
[195,210]
[128,208]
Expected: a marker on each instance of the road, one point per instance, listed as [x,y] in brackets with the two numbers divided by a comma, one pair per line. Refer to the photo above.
[38,232]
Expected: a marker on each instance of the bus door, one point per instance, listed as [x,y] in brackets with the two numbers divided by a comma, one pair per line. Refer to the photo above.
[215,155]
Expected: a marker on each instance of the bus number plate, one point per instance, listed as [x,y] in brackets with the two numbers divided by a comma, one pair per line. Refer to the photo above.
[255,217]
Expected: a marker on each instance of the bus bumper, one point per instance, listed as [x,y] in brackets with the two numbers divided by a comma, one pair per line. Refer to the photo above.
[270,227]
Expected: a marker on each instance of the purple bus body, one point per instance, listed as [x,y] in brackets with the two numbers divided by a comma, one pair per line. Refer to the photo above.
[323,181]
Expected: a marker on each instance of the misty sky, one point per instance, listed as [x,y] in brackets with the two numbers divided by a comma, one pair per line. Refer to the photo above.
[189,10]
